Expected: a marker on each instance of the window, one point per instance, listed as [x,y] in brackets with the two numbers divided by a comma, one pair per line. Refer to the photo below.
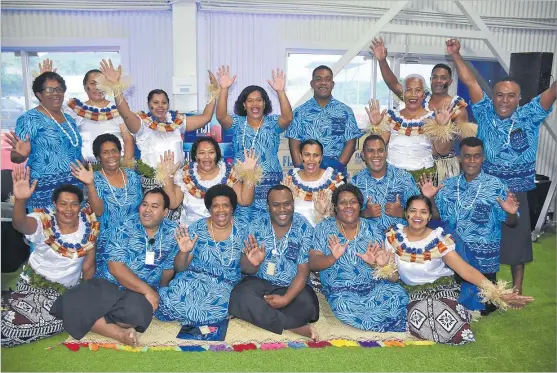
[13,93]
[353,84]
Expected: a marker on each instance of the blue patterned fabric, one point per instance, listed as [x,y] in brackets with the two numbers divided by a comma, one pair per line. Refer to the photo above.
[511,144]
[354,296]
[396,181]
[476,217]
[51,154]
[200,294]
[114,213]
[266,146]
[332,125]
[290,251]
[128,244]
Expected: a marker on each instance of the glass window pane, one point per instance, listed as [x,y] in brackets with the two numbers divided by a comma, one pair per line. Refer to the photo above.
[382,92]
[13,100]
[72,66]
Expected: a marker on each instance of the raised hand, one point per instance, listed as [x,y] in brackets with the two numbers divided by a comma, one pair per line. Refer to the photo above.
[321,203]
[21,188]
[167,164]
[254,252]
[276,301]
[382,256]
[515,300]
[511,204]
[453,46]
[337,249]
[19,146]
[290,184]
[46,66]
[443,115]
[373,210]
[426,185]
[111,74]
[185,243]
[214,82]
[250,160]
[394,208]
[378,49]
[279,80]
[374,112]
[223,74]
[82,173]
[371,253]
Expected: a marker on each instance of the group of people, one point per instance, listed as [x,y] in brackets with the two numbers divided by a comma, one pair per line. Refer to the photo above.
[116,241]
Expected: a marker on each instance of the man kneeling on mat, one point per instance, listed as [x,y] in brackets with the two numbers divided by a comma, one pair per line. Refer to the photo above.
[277,297]
[140,255]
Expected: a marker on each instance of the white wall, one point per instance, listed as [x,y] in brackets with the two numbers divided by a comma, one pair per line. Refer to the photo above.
[146,38]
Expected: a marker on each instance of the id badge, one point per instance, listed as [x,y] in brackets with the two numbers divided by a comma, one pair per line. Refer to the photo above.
[150,258]
[271,269]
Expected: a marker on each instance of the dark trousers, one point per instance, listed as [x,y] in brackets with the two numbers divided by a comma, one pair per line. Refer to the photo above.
[247,303]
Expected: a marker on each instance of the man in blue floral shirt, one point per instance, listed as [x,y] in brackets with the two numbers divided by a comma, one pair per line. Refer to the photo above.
[510,134]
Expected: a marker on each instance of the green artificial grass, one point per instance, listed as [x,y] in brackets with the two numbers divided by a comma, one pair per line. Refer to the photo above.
[522,340]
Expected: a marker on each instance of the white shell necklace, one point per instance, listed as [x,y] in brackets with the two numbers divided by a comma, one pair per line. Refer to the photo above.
[112,189]
[458,195]
[256,133]
[62,128]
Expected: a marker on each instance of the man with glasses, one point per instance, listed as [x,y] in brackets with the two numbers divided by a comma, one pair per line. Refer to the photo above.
[327,120]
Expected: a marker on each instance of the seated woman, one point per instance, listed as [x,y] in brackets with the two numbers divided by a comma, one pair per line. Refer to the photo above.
[207,265]
[426,259]
[190,184]
[313,186]
[356,297]
[64,252]
[114,192]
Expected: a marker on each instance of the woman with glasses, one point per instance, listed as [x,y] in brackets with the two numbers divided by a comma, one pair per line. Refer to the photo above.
[47,139]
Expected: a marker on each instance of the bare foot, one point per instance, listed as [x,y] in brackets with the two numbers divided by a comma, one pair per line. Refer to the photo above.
[307,331]
[128,337]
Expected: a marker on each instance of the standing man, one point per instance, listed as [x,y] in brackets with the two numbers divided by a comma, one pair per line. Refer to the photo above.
[385,187]
[510,134]
[327,120]
[276,296]
[440,81]
[140,255]
[474,204]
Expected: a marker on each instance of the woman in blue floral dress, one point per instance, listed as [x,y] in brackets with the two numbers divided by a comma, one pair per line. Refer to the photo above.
[254,127]
[342,245]
[114,192]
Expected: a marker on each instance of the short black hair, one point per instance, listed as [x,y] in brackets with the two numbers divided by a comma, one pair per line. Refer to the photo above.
[159,190]
[509,79]
[311,142]
[443,66]
[321,67]
[206,139]
[239,108]
[86,77]
[157,92]
[373,137]
[69,188]
[348,188]
[471,142]
[419,197]
[278,187]
[39,82]
[220,190]
[101,139]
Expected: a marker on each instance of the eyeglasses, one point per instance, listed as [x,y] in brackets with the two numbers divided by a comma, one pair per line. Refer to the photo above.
[52,90]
